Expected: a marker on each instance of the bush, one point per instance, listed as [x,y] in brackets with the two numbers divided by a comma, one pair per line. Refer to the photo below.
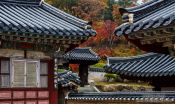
[99,65]
[61,70]
[113,76]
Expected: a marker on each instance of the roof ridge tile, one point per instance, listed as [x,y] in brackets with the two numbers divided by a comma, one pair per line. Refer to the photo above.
[22,2]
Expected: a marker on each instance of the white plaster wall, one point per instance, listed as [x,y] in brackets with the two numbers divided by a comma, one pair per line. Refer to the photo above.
[96,76]
[20,54]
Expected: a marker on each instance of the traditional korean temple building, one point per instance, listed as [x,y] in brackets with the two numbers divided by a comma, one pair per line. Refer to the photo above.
[158,69]
[150,26]
[30,33]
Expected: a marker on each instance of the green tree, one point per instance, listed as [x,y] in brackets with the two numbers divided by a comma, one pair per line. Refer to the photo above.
[108,15]
[125,3]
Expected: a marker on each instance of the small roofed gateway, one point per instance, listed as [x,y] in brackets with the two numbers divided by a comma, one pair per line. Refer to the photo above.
[157,69]
[30,33]
[150,26]
[84,57]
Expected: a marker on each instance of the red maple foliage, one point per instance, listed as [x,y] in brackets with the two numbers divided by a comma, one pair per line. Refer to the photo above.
[104,35]
[105,52]
[103,40]
[74,67]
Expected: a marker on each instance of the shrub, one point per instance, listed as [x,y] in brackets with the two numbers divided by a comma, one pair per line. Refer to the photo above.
[61,70]
[99,65]
[112,76]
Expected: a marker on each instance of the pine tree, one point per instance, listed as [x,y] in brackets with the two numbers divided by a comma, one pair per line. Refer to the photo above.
[125,3]
[108,10]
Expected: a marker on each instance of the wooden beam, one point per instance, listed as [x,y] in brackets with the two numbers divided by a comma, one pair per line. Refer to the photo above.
[164,38]
[168,44]
[157,32]
[140,35]
[132,36]
[149,33]
[25,54]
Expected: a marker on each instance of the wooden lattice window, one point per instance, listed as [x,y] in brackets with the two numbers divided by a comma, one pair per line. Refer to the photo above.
[43,74]
[25,73]
[5,74]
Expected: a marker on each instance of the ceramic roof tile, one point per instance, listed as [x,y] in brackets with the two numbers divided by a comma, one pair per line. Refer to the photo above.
[36,17]
[124,96]
[68,78]
[153,14]
[148,65]
[85,54]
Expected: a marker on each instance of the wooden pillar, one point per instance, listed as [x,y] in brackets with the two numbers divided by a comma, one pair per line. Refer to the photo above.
[25,54]
[61,96]
[52,91]
[83,74]
[157,85]
[157,88]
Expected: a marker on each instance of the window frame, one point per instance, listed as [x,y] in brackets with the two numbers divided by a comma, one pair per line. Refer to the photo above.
[6,74]
[25,74]
[47,75]
[47,61]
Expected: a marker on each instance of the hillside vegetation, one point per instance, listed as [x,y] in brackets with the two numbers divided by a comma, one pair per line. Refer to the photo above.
[105,17]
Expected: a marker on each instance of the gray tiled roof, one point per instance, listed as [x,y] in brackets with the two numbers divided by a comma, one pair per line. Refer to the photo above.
[82,54]
[68,78]
[23,1]
[124,96]
[148,65]
[36,17]
[153,14]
